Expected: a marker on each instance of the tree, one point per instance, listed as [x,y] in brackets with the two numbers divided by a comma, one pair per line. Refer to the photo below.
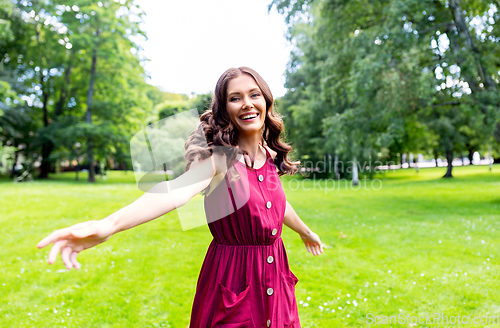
[398,75]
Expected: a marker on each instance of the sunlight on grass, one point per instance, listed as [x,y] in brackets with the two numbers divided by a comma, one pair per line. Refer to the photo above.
[418,244]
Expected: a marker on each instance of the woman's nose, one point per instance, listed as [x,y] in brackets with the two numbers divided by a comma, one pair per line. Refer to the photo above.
[247,102]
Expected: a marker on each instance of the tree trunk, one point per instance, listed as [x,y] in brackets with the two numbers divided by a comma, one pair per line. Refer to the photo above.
[449,158]
[47,145]
[470,156]
[490,156]
[436,158]
[13,172]
[90,93]
[355,179]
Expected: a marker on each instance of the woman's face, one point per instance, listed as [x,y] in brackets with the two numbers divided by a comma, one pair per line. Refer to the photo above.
[246,104]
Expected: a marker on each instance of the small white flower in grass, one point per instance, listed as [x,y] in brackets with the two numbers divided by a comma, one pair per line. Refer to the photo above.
[388,291]
[348,315]
[439,241]
[29,313]
[321,308]
[465,273]
[488,259]
[67,314]
[389,271]
[365,299]
[301,302]
[487,268]
[395,296]
[338,298]
[422,274]
[306,304]
[348,295]
[466,284]
[130,260]
[456,274]
[333,310]
[308,298]
[375,284]
[55,311]
[348,302]
[433,279]
[340,308]
[482,241]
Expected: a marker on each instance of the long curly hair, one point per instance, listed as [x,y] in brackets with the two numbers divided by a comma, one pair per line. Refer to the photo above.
[217,129]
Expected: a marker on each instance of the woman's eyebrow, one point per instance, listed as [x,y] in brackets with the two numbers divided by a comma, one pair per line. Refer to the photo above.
[237,92]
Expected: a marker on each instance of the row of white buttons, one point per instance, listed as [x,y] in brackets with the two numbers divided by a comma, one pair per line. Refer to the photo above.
[270,259]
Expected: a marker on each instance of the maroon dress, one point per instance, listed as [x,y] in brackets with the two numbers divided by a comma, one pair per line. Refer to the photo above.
[245,280]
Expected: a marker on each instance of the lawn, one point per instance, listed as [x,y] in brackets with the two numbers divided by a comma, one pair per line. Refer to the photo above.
[407,244]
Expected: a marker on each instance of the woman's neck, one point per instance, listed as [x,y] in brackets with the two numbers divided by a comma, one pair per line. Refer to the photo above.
[250,144]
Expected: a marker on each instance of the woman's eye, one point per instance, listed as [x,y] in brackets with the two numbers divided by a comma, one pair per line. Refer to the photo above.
[233,99]
[255,95]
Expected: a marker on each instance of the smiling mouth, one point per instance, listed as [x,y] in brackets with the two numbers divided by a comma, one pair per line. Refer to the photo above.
[249,117]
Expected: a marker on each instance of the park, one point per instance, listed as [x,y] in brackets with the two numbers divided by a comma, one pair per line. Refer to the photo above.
[391,110]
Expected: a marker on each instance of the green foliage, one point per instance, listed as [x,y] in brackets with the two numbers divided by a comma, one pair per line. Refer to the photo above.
[48,61]
[396,75]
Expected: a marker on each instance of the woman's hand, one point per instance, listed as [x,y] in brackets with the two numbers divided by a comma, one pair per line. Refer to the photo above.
[72,240]
[313,243]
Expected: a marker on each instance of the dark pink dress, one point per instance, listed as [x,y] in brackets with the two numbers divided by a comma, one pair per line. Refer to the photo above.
[245,280]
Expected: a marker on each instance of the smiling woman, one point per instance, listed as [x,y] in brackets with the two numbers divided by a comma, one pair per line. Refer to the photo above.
[245,280]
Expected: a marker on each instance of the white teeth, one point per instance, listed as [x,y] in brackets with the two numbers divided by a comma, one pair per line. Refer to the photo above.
[249,116]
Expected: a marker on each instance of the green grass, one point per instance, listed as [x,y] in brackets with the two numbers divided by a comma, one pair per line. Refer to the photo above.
[431,242]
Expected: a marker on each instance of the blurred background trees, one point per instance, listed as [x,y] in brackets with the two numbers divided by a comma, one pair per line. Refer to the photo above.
[373,80]
[369,83]
[72,87]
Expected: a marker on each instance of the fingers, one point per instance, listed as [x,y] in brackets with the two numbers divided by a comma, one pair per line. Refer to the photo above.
[55,250]
[314,248]
[74,261]
[308,248]
[56,235]
[60,234]
[65,257]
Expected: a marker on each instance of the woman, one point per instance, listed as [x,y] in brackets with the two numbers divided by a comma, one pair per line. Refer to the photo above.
[245,280]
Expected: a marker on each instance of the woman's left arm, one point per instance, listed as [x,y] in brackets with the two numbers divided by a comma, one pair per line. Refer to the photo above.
[311,240]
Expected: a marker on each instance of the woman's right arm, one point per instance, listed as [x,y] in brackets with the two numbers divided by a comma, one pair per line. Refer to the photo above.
[159,200]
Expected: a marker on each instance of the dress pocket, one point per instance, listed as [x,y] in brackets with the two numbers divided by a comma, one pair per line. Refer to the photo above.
[290,314]
[235,309]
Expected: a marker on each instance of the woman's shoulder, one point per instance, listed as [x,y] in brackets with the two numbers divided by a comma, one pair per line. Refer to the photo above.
[271,152]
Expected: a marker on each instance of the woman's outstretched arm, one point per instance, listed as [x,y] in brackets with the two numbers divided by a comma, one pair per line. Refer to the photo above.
[311,240]
[159,200]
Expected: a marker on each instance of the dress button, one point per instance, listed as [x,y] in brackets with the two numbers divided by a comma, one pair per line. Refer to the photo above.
[261,177]
[275,231]
[268,204]
[269,323]
[270,291]
[270,259]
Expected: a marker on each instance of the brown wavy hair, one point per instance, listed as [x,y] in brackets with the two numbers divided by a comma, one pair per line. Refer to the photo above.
[217,129]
